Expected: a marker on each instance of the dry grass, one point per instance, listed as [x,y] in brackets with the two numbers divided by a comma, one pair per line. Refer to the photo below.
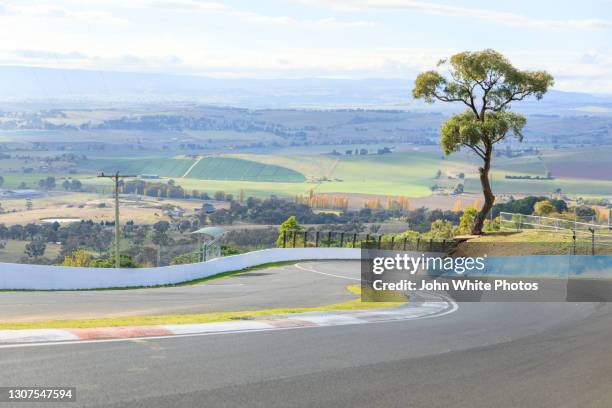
[145,210]
[14,251]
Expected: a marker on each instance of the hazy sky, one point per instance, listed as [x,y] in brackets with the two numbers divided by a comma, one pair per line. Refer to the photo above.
[309,38]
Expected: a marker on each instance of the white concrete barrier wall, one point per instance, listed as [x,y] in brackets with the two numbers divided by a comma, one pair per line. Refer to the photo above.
[42,277]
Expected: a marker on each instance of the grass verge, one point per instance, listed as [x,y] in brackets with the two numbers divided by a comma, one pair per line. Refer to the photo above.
[355,304]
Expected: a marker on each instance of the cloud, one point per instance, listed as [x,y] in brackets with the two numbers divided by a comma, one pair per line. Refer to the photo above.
[80,60]
[46,55]
[247,16]
[506,18]
[51,12]
[190,5]
[572,71]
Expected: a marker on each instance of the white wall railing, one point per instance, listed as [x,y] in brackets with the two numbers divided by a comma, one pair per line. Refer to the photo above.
[44,277]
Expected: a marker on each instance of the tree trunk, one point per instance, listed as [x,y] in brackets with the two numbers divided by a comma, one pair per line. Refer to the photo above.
[489,198]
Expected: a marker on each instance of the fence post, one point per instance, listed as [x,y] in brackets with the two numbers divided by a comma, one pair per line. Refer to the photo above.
[444,244]
[341,239]
[284,239]
[418,243]
[392,242]
[592,241]
[574,242]
[294,235]
[354,239]
[329,239]
[379,240]
[430,244]
[305,238]
[405,240]
[367,240]
[317,240]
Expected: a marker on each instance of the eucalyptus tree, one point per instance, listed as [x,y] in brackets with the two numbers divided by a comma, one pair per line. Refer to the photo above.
[487,84]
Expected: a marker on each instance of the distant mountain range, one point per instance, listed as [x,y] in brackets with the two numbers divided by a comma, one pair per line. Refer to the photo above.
[23,84]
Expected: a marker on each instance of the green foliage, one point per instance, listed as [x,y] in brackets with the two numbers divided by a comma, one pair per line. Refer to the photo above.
[465,129]
[409,235]
[36,248]
[585,211]
[466,223]
[228,250]
[526,205]
[125,261]
[544,208]
[185,259]
[160,233]
[486,83]
[488,70]
[287,228]
[77,258]
[82,258]
[47,183]
[440,229]
[492,226]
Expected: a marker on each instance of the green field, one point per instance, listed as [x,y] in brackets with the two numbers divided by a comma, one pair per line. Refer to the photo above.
[13,180]
[310,165]
[410,171]
[208,168]
[226,168]
[167,167]
[406,174]
[250,188]
[228,136]
[529,165]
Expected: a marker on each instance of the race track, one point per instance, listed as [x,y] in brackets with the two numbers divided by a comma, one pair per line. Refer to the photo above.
[292,285]
[482,355]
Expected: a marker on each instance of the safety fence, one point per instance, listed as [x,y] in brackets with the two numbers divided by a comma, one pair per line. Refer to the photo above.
[583,238]
[336,239]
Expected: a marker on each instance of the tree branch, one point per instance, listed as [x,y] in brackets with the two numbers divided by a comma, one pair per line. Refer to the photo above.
[469,104]
[516,96]
[476,150]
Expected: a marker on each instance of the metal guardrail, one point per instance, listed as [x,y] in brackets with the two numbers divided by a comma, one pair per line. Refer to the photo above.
[586,237]
[520,221]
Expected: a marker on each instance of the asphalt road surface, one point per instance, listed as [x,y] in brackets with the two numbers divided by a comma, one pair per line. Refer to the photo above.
[283,286]
[482,355]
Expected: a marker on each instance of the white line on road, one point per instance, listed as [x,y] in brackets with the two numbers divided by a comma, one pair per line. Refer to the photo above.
[297,265]
[453,308]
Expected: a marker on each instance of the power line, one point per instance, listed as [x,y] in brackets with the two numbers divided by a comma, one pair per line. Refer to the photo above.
[116,177]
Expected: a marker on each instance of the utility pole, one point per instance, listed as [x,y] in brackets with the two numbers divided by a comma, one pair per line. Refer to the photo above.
[116,178]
